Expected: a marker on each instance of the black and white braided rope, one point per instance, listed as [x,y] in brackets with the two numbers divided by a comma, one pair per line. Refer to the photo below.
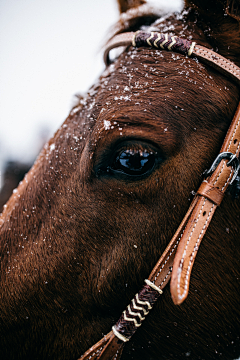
[135,313]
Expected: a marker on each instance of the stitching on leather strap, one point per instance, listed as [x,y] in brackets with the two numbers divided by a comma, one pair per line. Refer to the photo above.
[229,66]
[171,252]
[234,135]
[116,355]
[169,272]
[96,353]
[195,249]
[229,178]
[175,241]
[219,174]
[184,253]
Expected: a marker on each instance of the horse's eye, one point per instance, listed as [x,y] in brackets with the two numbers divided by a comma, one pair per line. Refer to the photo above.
[129,160]
[134,162]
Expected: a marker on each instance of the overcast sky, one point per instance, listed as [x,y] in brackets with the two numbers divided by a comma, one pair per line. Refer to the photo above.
[49,50]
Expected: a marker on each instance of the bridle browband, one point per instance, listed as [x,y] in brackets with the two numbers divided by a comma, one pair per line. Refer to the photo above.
[177,260]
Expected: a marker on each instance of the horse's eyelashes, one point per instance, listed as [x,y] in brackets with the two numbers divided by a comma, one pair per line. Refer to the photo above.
[134,162]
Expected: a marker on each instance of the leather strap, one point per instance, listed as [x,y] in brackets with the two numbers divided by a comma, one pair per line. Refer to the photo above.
[211,192]
[210,195]
[217,61]
[124,39]
[178,258]
[97,349]
[161,273]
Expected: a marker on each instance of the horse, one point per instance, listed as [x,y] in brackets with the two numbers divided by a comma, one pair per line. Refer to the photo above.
[107,193]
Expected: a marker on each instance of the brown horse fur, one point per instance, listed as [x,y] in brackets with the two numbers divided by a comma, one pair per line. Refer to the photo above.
[77,240]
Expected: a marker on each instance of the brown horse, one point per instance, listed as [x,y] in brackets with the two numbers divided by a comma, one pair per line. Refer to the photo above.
[85,227]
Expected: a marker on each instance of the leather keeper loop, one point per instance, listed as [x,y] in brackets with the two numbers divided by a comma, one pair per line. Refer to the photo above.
[210,192]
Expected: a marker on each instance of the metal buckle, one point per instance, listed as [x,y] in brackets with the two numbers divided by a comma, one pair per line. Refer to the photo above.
[233,161]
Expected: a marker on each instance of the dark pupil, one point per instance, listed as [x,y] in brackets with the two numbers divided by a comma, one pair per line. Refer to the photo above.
[134,162]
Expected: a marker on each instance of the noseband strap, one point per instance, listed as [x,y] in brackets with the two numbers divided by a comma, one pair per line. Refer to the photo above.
[178,258]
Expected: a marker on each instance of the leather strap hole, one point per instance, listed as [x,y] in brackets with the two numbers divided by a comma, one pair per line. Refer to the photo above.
[204,213]
[235,140]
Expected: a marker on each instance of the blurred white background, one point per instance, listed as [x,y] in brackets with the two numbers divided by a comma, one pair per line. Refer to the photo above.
[49,51]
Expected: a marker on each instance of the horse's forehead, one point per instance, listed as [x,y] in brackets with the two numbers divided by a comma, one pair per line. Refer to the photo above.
[140,74]
[146,81]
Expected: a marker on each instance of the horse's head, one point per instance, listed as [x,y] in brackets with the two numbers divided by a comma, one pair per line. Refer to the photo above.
[107,193]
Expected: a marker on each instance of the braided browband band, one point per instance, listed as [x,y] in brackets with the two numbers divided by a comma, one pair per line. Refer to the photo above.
[177,260]
[174,43]
[163,41]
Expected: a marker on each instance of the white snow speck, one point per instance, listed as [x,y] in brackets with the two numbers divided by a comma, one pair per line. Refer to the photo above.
[52,147]
[76,138]
[107,124]
[126,98]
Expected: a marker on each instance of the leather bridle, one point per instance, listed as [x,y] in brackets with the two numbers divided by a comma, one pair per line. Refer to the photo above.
[178,258]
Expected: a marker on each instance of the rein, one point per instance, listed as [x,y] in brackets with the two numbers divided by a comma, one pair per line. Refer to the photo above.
[177,261]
